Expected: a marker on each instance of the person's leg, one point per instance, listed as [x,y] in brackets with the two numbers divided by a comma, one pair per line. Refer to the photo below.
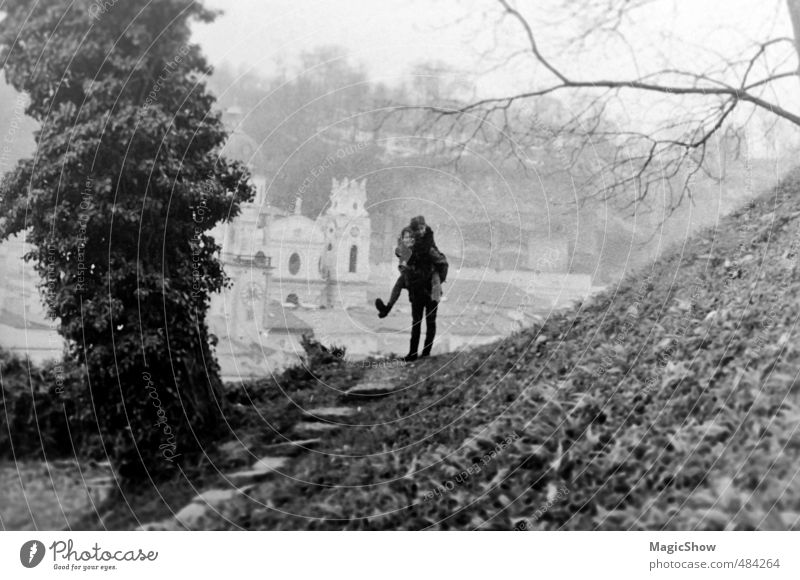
[430,326]
[398,287]
[417,311]
[385,309]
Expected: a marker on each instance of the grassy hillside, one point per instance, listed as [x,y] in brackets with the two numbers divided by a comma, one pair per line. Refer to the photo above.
[670,403]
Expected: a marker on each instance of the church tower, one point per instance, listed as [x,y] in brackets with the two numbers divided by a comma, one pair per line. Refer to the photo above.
[239,310]
[347,229]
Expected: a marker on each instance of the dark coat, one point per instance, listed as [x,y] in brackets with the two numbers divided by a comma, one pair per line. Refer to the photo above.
[424,261]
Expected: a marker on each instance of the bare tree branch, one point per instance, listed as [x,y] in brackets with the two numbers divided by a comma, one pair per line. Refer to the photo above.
[604,160]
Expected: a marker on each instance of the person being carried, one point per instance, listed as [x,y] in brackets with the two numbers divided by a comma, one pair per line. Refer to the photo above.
[418,234]
[403,252]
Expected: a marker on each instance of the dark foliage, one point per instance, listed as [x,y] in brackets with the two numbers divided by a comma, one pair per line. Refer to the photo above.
[117,206]
[32,422]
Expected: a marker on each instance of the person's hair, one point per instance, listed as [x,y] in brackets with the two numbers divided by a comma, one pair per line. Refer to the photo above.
[406,230]
[418,221]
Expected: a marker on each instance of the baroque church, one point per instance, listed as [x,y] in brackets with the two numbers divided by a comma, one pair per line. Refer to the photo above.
[279,261]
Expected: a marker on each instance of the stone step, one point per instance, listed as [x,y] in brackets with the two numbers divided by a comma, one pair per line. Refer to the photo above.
[259,470]
[101,481]
[292,448]
[194,516]
[270,463]
[234,451]
[199,513]
[311,428]
[373,389]
[330,413]
[218,497]
[100,488]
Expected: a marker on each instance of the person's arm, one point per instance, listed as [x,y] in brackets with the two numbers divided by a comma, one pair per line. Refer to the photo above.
[403,254]
[440,264]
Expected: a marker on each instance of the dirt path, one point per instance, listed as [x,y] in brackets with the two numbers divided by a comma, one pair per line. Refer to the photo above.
[319,422]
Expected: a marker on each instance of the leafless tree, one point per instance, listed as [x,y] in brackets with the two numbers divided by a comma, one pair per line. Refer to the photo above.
[713,100]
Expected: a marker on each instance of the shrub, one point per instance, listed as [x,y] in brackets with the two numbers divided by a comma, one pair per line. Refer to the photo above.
[317,354]
[34,409]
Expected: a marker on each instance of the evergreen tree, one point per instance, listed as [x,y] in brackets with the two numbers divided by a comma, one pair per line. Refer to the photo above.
[117,204]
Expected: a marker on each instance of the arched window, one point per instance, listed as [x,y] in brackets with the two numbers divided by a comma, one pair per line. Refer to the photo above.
[353,258]
[294,264]
[260,259]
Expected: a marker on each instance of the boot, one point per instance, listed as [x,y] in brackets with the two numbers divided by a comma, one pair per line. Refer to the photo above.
[383,311]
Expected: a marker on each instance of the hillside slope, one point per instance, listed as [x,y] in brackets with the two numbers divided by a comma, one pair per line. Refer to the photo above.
[668,403]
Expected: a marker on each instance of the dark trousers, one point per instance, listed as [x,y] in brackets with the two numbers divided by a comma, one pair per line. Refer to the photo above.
[398,287]
[423,308]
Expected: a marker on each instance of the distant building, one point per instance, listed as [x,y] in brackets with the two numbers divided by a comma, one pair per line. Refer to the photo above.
[282,264]
[348,233]
[289,258]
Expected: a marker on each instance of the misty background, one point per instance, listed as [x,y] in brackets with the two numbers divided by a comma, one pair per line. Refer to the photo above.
[304,81]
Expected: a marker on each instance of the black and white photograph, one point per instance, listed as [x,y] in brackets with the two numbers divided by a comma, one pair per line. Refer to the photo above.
[407,265]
